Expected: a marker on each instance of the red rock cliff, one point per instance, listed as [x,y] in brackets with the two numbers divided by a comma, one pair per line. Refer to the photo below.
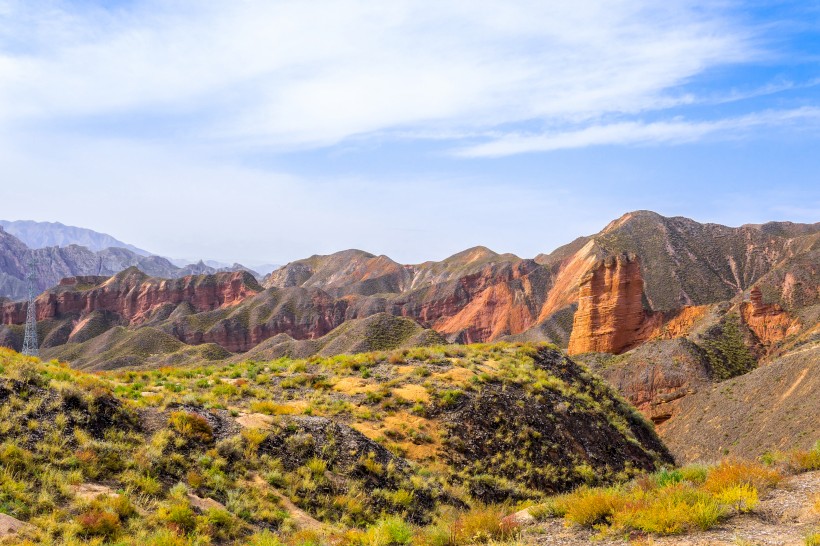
[610,309]
[769,322]
[134,296]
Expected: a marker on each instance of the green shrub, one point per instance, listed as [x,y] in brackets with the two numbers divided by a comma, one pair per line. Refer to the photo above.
[191,426]
[390,531]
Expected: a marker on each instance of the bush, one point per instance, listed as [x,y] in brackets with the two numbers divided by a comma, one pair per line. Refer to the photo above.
[391,531]
[588,507]
[732,473]
[179,515]
[483,524]
[805,461]
[553,507]
[97,522]
[742,497]
[191,426]
[265,538]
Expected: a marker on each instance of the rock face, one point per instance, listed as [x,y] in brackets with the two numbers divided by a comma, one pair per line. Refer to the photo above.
[657,376]
[610,309]
[134,297]
[770,323]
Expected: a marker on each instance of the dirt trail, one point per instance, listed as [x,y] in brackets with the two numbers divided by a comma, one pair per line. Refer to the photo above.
[783,518]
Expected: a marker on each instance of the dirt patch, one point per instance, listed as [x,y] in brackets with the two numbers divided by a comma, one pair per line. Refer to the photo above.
[458,376]
[255,420]
[204,504]
[417,436]
[90,491]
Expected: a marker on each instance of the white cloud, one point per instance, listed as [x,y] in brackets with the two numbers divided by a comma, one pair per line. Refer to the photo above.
[294,73]
[675,131]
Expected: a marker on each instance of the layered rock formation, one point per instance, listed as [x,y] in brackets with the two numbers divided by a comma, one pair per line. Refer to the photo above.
[656,376]
[475,295]
[643,277]
[610,309]
[134,297]
[770,323]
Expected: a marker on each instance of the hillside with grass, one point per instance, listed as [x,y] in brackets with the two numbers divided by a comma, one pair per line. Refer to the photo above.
[424,446]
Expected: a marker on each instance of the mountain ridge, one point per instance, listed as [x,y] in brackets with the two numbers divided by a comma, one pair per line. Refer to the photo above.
[672,268]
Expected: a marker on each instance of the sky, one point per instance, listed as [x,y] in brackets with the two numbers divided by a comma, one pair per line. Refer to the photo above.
[268,131]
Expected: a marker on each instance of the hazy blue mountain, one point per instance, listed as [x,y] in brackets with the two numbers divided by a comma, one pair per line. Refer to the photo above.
[47,234]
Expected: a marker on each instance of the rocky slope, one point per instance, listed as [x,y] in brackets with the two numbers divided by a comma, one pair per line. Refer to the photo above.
[772,407]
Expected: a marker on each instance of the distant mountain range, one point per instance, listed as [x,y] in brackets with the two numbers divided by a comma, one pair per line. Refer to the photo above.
[60,251]
[46,234]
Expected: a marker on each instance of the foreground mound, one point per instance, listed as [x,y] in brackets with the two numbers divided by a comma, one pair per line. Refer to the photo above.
[238,453]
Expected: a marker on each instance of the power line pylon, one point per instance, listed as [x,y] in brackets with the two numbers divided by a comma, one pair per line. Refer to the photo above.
[30,345]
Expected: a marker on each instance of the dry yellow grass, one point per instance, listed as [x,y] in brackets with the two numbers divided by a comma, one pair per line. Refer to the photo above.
[413,393]
[457,376]
[400,424]
[354,385]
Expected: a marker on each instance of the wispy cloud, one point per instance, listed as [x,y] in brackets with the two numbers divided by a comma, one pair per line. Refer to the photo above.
[634,132]
[302,74]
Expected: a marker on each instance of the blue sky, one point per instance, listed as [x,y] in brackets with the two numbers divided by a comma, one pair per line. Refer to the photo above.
[268,131]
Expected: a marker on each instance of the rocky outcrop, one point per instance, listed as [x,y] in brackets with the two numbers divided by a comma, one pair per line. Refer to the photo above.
[770,323]
[656,376]
[610,309]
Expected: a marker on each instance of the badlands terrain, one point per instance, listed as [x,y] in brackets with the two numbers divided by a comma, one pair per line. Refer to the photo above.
[654,383]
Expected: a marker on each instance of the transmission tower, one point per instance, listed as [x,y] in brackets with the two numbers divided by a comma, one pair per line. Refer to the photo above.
[30,344]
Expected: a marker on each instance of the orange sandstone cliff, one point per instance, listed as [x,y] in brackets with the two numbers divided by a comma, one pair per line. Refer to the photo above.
[610,308]
[769,322]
